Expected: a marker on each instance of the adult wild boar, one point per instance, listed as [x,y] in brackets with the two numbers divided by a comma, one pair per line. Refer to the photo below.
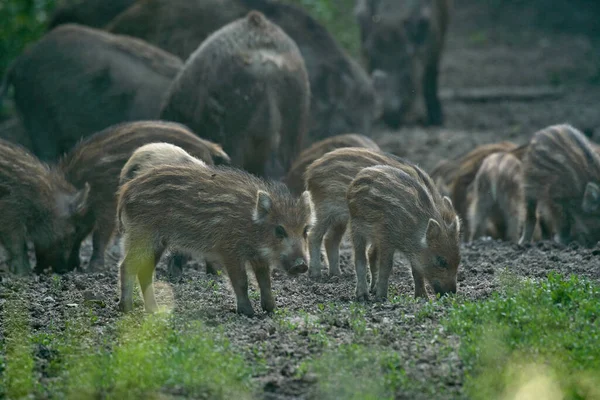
[343,98]
[94,13]
[246,87]
[402,44]
[77,80]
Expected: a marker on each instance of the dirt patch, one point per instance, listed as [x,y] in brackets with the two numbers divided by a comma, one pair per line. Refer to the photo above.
[314,316]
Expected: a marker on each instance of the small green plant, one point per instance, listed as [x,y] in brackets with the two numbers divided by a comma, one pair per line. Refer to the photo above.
[540,336]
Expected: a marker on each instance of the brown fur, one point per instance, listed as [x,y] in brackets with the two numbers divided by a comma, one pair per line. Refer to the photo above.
[343,98]
[246,87]
[498,197]
[99,160]
[295,176]
[464,170]
[562,173]
[402,43]
[392,209]
[150,156]
[87,80]
[94,13]
[327,179]
[37,203]
[223,214]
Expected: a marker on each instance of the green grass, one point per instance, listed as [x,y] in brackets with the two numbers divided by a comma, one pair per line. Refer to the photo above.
[148,356]
[538,338]
[356,372]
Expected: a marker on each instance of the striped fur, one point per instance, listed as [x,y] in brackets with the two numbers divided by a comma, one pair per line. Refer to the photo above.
[391,210]
[225,215]
[561,172]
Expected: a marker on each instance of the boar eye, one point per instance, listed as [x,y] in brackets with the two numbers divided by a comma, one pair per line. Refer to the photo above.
[305,233]
[280,232]
[441,261]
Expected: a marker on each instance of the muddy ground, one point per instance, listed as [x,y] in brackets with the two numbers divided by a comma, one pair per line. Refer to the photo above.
[480,52]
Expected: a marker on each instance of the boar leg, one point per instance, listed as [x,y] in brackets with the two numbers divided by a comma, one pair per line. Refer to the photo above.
[175,265]
[263,277]
[374,267]
[563,227]
[360,265]
[386,262]
[16,247]
[138,255]
[315,241]
[239,281]
[435,115]
[145,276]
[419,279]
[513,225]
[332,247]
[478,212]
[530,220]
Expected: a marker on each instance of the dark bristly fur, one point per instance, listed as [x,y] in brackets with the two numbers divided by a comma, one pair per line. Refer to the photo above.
[246,87]
[402,43]
[561,171]
[295,177]
[391,209]
[37,203]
[99,159]
[223,214]
[94,13]
[343,99]
[87,80]
[327,179]
[498,197]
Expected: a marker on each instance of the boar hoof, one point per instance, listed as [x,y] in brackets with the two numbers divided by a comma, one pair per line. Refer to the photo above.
[362,297]
[268,305]
[95,266]
[315,274]
[380,299]
[245,309]
[125,306]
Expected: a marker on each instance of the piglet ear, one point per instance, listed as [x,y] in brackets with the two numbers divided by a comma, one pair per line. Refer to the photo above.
[263,206]
[434,231]
[79,203]
[591,198]
[448,202]
[455,226]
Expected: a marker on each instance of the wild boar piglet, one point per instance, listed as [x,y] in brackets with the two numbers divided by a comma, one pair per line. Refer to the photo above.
[391,210]
[37,203]
[295,177]
[327,179]
[223,214]
[498,197]
[561,174]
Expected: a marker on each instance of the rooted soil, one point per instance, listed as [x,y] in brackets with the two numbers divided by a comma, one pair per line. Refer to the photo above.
[480,52]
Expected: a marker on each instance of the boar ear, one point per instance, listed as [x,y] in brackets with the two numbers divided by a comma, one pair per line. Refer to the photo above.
[455,226]
[591,198]
[263,206]
[448,202]
[79,203]
[434,230]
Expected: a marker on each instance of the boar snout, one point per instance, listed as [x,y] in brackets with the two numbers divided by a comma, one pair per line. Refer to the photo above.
[444,289]
[299,266]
